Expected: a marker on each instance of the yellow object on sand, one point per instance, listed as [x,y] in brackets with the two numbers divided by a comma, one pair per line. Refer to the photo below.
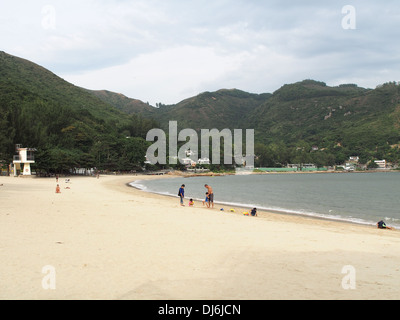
[232,210]
[246,213]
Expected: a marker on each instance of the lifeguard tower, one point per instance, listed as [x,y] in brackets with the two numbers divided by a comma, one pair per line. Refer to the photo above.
[24,157]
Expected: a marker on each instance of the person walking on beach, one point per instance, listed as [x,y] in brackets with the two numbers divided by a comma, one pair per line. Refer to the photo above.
[210,196]
[181,194]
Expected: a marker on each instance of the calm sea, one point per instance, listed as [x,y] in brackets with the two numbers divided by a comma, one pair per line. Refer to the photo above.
[362,198]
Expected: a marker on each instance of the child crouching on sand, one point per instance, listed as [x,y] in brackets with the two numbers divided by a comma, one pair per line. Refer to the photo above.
[191,203]
[382,225]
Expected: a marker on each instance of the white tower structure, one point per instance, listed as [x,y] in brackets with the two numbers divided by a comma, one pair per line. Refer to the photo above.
[24,157]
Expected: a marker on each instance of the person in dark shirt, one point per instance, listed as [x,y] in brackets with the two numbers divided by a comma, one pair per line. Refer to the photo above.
[181,194]
[382,225]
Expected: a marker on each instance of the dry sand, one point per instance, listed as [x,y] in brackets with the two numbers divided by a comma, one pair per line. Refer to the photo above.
[105,240]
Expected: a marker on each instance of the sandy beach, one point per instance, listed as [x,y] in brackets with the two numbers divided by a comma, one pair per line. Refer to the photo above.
[100,239]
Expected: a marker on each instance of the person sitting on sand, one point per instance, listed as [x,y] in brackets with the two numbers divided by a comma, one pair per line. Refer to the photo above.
[58,189]
[254,212]
[382,225]
[206,201]
[191,203]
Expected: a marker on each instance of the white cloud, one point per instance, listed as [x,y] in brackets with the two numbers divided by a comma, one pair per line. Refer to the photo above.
[167,76]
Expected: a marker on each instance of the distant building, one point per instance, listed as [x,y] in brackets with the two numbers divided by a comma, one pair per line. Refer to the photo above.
[24,157]
[381,164]
[188,162]
[354,159]
[349,167]
[203,161]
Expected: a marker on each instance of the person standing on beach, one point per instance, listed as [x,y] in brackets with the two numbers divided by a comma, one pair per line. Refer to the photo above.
[206,201]
[210,196]
[181,194]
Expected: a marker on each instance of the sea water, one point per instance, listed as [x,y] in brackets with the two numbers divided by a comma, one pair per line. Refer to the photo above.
[362,198]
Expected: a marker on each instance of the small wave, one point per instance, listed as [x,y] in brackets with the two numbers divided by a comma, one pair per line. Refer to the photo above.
[138,185]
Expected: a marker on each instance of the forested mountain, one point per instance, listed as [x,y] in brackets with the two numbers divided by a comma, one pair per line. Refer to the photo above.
[340,121]
[68,126]
[123,103]
[302,122]
[221,109]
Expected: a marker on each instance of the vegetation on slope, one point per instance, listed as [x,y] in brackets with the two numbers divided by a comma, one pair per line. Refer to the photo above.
[66,124]
[304,122]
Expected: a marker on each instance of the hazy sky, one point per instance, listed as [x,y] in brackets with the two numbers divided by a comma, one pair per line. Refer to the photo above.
[169,50]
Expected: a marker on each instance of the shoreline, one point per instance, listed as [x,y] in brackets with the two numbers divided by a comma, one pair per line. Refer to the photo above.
[189,175]
[185,174]
[266,215]
[262,212]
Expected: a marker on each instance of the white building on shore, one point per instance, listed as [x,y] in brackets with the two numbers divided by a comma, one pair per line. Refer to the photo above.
[23,160]
[381,164]
[203,161]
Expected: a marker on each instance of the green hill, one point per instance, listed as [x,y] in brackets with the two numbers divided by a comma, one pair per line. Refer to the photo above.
[123,103]
[68,125]
[302,122]
[342,121]
[296,120]
[220,109]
